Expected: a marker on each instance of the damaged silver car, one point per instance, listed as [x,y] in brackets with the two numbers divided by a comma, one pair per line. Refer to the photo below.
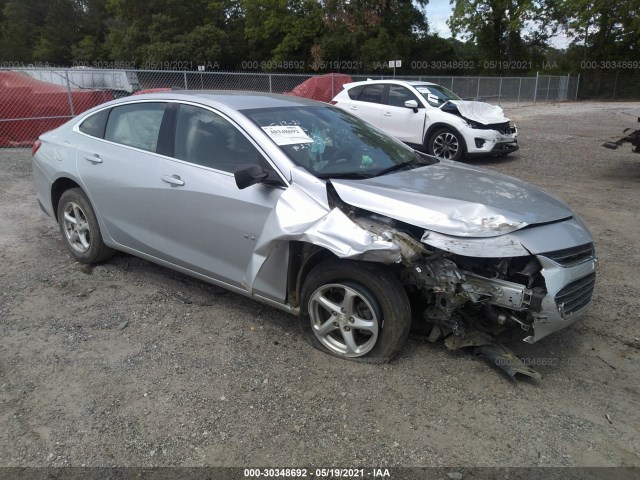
[308,208]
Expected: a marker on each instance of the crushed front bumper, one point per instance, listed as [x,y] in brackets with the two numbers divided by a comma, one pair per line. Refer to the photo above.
[569,294]
[483,142]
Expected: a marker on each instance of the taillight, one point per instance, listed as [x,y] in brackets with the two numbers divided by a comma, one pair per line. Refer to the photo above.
[36,146]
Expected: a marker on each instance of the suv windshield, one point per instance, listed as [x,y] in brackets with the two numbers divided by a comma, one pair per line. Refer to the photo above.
[332,143]
[436,95]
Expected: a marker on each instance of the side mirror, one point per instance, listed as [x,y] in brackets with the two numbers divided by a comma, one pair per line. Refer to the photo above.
[250,176]
[411,104]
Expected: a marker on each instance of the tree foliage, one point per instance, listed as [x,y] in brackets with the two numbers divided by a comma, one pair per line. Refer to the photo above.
[356,35]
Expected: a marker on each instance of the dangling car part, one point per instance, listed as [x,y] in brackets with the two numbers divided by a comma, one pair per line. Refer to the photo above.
[631,136]
[307,208]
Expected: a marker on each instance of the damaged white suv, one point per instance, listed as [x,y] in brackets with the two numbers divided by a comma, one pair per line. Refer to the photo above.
[429,116]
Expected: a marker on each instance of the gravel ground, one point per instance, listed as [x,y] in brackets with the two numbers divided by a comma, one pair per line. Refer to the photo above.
[131,364]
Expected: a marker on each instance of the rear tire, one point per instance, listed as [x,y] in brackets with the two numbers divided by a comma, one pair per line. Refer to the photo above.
[355,310]
[447,144]
[80,229]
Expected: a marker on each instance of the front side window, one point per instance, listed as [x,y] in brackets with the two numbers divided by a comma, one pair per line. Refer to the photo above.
[207,139]
[136,125]
[398,95]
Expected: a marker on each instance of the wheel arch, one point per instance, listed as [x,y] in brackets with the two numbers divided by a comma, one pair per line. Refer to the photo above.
[303,257]
[58,187]
[439,125]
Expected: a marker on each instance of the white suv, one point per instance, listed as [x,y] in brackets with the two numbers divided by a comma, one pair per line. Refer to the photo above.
[429,116]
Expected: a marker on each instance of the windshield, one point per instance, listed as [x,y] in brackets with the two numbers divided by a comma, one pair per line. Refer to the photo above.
[436,95]
[332,143]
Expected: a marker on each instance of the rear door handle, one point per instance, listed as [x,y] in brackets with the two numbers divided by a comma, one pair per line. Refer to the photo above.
[173,180]
[388,114]
[95,158]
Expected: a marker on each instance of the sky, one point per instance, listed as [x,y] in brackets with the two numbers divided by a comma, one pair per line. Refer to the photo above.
[439,11]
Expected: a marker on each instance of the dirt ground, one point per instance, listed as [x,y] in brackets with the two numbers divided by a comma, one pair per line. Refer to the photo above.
[131,364]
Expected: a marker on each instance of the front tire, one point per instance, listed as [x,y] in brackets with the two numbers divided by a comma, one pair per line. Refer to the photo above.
[447,144]
[355,310]
[80,229]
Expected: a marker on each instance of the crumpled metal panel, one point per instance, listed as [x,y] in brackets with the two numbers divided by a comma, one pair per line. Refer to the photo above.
[454,199]
[298,217]
[489,247]
[480,112]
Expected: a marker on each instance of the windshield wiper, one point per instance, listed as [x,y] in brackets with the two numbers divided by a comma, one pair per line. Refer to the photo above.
[353,175]
[393,168]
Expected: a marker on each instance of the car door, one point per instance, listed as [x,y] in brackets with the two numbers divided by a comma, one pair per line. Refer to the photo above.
[118,163]
[210,226]
[403,123]
[369,103]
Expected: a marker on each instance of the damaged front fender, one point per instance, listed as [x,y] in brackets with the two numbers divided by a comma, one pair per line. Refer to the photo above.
[298,217]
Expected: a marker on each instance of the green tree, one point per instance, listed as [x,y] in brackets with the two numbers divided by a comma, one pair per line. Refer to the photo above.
[61,29]
[605,30]
[196,32]
[497,27]
[16,30]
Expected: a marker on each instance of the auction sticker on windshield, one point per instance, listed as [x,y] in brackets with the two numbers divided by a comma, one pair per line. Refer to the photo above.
[287,135]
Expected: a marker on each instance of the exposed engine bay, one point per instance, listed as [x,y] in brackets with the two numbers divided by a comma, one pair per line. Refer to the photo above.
[467,301]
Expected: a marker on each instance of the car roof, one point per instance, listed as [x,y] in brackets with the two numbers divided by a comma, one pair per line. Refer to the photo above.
[395,82]
[237,100]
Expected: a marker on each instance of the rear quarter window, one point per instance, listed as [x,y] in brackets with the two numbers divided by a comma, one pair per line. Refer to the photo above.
[95,124]
[355,91]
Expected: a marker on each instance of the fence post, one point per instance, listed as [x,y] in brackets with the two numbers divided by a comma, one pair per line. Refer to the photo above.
[270,87]
[452,84]
[548,87]
[519,89]
[615,86]
[185,81]
[500,92]
[66,74]
[478,92]
[577,85]
[535,90]
[333,87]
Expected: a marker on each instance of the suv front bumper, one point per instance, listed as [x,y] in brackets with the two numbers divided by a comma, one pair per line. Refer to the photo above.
[482,142]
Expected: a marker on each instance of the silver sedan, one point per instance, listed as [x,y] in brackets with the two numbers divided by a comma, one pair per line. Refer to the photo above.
[307,208]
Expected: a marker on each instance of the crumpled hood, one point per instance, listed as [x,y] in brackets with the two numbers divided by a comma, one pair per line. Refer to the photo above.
[480,112]
[454,199]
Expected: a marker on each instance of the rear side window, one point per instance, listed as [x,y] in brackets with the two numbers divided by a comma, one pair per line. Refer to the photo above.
[136,125]
[95,124]
[372,93]
[355,91]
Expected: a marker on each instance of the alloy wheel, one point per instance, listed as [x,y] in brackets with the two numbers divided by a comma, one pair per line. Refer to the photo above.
[343,320]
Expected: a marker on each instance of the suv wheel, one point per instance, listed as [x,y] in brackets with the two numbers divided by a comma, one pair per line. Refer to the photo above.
[446,143]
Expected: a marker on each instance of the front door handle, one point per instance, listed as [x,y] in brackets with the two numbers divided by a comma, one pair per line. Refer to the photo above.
[174,180]
[95,158]
[388,114]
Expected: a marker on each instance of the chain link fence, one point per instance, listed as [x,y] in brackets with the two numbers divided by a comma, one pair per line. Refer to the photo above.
[33,101]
